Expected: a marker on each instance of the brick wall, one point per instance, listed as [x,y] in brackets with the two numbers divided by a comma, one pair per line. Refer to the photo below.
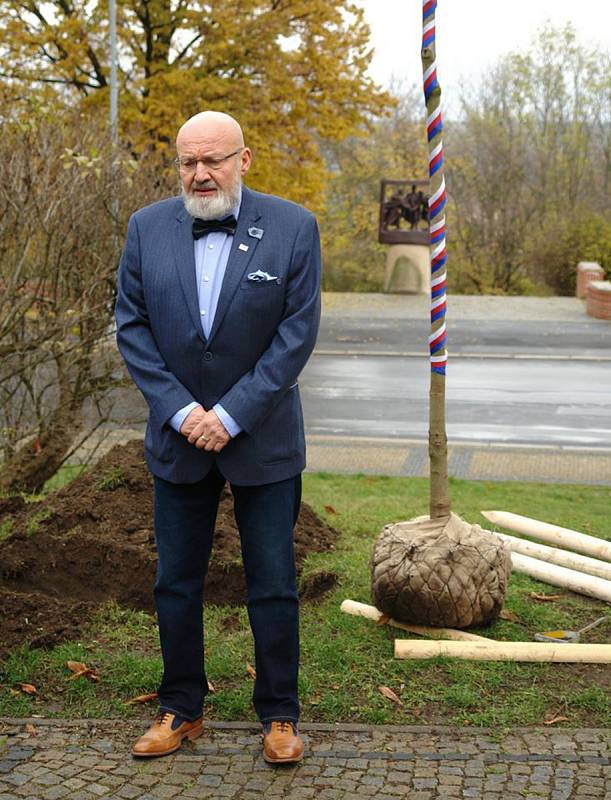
[587,271]
[598,300]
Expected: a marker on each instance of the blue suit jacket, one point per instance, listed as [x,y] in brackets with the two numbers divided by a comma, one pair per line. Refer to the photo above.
[261,338]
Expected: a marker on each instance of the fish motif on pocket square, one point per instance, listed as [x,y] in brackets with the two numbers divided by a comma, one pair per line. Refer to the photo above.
[259,275]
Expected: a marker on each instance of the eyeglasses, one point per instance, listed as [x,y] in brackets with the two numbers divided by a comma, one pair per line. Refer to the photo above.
[188,164]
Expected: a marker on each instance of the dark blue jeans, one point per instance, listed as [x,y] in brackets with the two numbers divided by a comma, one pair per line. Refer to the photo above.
[185,515]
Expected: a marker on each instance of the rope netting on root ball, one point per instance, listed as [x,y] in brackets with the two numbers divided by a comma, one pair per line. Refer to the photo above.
[440,572]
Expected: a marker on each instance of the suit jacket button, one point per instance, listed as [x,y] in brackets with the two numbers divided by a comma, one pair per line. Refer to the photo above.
[207,356]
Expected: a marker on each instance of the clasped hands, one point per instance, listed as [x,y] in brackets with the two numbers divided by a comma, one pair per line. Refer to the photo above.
[205,430]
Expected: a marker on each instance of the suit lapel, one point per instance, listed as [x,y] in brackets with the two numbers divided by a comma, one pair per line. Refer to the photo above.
[184,254]
[238,259]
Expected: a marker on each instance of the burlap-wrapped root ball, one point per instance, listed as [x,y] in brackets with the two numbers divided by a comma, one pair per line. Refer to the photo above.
[445,573]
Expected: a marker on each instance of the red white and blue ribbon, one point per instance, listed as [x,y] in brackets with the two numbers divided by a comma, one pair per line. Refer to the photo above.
[438,198]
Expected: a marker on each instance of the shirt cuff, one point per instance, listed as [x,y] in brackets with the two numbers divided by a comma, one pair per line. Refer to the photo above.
[231,426]
[180,416]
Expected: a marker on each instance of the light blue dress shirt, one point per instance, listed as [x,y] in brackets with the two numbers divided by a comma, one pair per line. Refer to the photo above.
[211,257]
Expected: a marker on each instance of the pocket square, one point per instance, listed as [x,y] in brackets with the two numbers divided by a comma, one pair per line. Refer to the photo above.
[259,275]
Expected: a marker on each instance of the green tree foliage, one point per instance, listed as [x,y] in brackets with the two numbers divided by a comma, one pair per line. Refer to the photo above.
[532,156]
[292,71]
[528,168]
[553,255]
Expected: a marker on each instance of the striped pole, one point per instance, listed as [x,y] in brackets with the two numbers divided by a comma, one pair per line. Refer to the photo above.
[438,448]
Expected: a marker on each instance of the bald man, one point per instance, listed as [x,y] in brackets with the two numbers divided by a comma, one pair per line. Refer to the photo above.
[217,313]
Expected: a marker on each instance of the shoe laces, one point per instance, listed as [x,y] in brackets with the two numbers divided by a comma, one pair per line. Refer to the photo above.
[161,717]
[284,726]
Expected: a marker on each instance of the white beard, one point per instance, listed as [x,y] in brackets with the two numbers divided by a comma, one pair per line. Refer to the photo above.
[216,207]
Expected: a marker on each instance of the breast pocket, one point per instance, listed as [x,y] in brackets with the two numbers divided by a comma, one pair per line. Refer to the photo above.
[262,286]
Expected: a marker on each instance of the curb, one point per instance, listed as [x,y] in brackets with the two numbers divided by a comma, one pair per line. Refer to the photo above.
[477,356]
[344,727]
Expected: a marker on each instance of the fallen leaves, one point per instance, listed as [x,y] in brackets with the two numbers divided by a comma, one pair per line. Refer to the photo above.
[142,698]
[251,671]
[510,616]
[25,688]
[81,670]
[330,510]
[555,719]
[545,598]
[31,730]
[389,694]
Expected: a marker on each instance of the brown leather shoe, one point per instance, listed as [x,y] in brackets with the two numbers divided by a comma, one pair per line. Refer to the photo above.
[281,742]
[161,739]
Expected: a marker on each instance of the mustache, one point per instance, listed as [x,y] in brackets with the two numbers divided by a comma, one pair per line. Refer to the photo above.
[209,184]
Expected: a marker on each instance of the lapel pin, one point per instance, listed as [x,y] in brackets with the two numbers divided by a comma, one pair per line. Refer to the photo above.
[243,247]
[256,233]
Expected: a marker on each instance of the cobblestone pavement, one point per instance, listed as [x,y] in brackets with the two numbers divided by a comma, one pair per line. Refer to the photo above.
[89,760]
[474,462]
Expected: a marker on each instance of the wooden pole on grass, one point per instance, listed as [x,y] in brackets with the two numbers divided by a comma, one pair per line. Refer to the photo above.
[579,582]
[554,534]
[505,651]
[372,613]
[554,555]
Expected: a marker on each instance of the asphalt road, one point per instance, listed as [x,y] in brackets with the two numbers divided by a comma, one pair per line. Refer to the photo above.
[590,339]
[499,400]
[522,371]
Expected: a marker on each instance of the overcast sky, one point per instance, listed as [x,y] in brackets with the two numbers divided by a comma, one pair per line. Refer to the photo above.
[471,34]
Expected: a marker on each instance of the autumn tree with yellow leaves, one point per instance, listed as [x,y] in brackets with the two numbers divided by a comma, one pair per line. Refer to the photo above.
[292,71]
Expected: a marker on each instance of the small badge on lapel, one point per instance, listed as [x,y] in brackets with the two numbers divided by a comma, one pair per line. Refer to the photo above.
[256,233]
[243,247]
[259,275]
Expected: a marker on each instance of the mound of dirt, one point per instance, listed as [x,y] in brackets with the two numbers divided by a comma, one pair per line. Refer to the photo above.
[92,541]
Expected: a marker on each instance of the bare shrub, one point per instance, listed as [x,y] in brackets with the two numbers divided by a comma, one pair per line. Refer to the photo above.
[64,202]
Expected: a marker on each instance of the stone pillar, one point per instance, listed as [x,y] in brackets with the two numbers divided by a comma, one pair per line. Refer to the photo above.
[408,269]
[587,271]
[598,300]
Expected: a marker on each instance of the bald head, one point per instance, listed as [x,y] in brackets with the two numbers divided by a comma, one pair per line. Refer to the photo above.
[210,128]
[213,160]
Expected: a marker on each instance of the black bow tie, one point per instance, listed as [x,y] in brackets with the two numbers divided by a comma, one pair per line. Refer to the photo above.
[203,226]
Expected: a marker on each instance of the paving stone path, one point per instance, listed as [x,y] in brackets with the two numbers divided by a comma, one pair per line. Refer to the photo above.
[89,760]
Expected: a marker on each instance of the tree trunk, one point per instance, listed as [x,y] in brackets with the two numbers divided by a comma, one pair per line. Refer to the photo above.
[28,469]
[438,450]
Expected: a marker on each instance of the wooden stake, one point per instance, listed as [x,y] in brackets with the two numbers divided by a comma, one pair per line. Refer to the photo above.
[553,555]
[505,651]
[372,613]
[554,534]
[561,576]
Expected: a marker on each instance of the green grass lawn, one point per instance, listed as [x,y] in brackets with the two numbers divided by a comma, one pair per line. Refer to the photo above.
[345,659]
